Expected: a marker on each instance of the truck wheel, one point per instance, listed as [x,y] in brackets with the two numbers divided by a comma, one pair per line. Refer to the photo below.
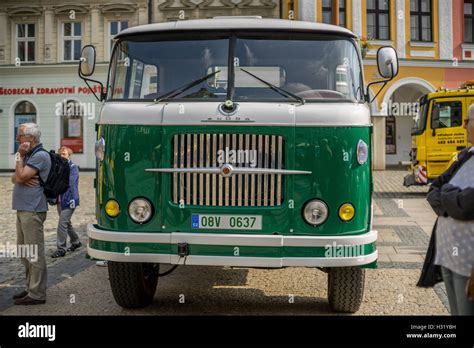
[133,284]
[346,288]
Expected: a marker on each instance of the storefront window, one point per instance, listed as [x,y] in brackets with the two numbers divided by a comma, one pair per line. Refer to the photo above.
[25,112]
[390,136]
[72,126]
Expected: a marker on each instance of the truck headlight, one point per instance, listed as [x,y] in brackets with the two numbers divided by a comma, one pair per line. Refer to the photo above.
[112,208]
[100,149]
[315,212]
[362,152]
[346,212]
[140,210]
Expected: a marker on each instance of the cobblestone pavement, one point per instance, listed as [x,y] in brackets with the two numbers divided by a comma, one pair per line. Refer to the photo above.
[401,215]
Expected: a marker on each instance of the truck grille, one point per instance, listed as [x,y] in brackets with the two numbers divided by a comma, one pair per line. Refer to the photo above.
[214,150]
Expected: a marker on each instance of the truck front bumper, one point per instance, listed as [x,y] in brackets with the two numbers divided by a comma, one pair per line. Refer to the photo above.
[240,250]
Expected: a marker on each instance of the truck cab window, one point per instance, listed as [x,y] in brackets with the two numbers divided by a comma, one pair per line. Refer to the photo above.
[446,114]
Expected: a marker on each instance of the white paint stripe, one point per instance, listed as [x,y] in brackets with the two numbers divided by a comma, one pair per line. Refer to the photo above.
[230,239]
[237,260]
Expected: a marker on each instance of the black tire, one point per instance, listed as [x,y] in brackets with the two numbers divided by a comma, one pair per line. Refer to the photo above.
[346,288]
[133,284]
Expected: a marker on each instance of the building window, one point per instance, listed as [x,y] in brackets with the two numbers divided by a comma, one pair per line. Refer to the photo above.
[378,19]
[468,20]
[25,112]
[25,41]
[72,35]
[420,20]
[72,126]
[328,12]
[342,13]
[115,27]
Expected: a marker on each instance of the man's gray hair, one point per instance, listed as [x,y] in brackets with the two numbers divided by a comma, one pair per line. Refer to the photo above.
[470,112]
[32,129]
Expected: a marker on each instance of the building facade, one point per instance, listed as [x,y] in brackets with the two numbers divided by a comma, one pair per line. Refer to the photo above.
[435,45]
[40,43]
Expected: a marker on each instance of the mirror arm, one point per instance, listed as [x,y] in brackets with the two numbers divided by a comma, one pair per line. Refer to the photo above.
[377,82]
[367,95]
[102,93]
[86,79]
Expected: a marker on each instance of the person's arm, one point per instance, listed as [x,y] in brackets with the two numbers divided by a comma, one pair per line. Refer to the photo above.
[457,203]
[23,173]
[434,193]
[74,176]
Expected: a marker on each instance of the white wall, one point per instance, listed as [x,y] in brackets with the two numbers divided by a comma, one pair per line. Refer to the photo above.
[46,117]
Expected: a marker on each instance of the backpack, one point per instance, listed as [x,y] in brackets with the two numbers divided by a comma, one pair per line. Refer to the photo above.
[58,178]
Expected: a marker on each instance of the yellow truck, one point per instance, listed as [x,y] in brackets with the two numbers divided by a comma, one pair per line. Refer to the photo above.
[438,133]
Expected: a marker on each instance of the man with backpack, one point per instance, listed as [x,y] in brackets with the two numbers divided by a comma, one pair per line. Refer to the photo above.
[33,166]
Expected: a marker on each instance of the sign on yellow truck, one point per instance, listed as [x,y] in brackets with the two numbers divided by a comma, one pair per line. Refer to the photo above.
[438,133]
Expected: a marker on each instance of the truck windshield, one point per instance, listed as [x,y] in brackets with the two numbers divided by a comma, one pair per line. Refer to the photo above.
[420,119]
[313,68]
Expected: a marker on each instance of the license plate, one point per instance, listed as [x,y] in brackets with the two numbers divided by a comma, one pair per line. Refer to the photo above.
[226,222]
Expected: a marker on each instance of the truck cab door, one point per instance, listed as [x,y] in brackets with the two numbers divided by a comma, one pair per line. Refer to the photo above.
[467,104]
[446,135]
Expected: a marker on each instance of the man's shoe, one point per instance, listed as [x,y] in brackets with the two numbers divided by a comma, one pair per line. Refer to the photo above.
[20,295]
[74,246]
[27,301]
[58,253]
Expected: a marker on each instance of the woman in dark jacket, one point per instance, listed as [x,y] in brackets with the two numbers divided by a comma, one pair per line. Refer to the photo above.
[67,203]
[450,254]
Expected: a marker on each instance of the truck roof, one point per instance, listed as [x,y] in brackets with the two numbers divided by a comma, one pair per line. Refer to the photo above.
[236,23]
[459,92]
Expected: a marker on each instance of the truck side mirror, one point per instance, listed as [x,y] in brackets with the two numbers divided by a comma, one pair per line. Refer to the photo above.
[387,62]
[86,69]
[87,60]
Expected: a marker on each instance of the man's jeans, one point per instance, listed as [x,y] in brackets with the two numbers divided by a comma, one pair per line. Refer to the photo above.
[30,233]
[455,283]
[65,228]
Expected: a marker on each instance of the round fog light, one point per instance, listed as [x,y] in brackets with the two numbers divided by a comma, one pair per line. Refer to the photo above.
[112,208]
[315,212]
[140,210]
[346,212]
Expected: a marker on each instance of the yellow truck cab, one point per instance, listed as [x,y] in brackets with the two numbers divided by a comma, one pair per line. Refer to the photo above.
[438,133]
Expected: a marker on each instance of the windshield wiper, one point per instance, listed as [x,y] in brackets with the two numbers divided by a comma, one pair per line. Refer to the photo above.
[179,90]
[279,90]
